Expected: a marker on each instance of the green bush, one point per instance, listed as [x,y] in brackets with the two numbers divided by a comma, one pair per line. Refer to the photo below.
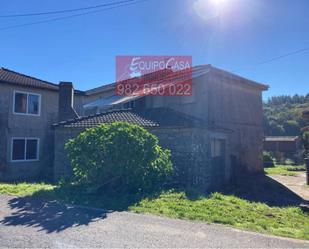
[119,157]
[268,160]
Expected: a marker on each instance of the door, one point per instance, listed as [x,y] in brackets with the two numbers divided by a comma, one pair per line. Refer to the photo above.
[218,161]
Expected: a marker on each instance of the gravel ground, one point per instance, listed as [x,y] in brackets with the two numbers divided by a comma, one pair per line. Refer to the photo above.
[29,223]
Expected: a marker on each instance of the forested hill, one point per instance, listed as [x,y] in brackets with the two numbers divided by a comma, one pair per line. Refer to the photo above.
[283,115]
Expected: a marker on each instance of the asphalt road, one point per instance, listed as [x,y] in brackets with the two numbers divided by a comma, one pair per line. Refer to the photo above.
[32,223]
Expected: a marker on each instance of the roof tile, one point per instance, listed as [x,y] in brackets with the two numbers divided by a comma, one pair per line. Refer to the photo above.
[9,76]
[148,118]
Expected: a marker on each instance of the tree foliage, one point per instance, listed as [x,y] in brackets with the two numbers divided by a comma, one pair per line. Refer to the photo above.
[119,156]
[283,115]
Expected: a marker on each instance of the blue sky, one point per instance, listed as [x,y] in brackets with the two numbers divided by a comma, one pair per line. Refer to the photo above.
[235,35]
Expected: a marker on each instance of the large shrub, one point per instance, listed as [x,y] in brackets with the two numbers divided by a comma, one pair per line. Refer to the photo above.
[119,156]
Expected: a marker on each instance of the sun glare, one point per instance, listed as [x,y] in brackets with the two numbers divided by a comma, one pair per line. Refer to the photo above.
[218,2]
[208,9]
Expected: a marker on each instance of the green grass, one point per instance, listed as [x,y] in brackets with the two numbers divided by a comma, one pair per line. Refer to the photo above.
[229,210]
[285,170]
[214,208]
[24,189]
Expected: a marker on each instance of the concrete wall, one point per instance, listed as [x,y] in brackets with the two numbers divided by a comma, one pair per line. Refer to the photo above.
[16,125]
[227,102]
[62,166]
[190,154]
[93,97]
[237,106]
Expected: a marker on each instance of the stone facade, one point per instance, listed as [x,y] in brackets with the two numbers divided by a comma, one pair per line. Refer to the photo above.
[190,155]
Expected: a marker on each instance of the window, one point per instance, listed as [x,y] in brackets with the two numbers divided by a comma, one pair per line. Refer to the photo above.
[25,149]
[27,103]
[217,147]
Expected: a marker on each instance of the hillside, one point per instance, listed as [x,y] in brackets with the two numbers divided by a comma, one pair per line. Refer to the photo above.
[283,115]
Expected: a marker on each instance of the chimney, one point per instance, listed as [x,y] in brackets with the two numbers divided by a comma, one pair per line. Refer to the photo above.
[66,101]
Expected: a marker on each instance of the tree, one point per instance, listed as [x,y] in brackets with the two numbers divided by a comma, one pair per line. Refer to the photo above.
[119,156]
[283,115]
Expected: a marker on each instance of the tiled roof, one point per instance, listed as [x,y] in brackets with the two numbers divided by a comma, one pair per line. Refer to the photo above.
[9,76]
[148,118]
[170,118]
[281,138]
[107,118]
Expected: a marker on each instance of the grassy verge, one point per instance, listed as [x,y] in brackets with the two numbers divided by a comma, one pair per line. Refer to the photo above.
[214,208]
[285,170]
[230,210]
[24,189]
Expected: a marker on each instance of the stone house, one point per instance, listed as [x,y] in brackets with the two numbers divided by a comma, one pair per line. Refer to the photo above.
[220,124]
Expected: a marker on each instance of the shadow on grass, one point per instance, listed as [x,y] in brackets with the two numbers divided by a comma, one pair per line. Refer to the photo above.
[41,210]
[264,189]
[255,188]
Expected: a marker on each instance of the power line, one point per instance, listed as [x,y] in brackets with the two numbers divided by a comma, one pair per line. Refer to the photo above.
[71,16]
[64,11]
[284,55]
[277,58]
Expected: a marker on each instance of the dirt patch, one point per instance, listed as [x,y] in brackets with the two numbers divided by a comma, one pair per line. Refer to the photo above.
[275,190]
[297,184]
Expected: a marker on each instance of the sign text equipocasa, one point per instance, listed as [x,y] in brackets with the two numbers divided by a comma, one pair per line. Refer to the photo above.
[154,75]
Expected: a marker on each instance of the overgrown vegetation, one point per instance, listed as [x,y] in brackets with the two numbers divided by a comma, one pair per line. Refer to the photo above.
[283,115]
[119,157]
[24,189]
[230,210]
[214,208]
[268,160]
[285,170]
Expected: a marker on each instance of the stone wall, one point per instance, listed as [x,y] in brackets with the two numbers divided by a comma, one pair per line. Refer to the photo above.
[189,147]
[189,153]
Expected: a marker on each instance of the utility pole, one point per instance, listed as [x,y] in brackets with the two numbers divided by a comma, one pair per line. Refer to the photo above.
[306,117]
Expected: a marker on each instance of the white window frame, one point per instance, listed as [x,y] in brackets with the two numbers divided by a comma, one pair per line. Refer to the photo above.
[27,114]
[25,149]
